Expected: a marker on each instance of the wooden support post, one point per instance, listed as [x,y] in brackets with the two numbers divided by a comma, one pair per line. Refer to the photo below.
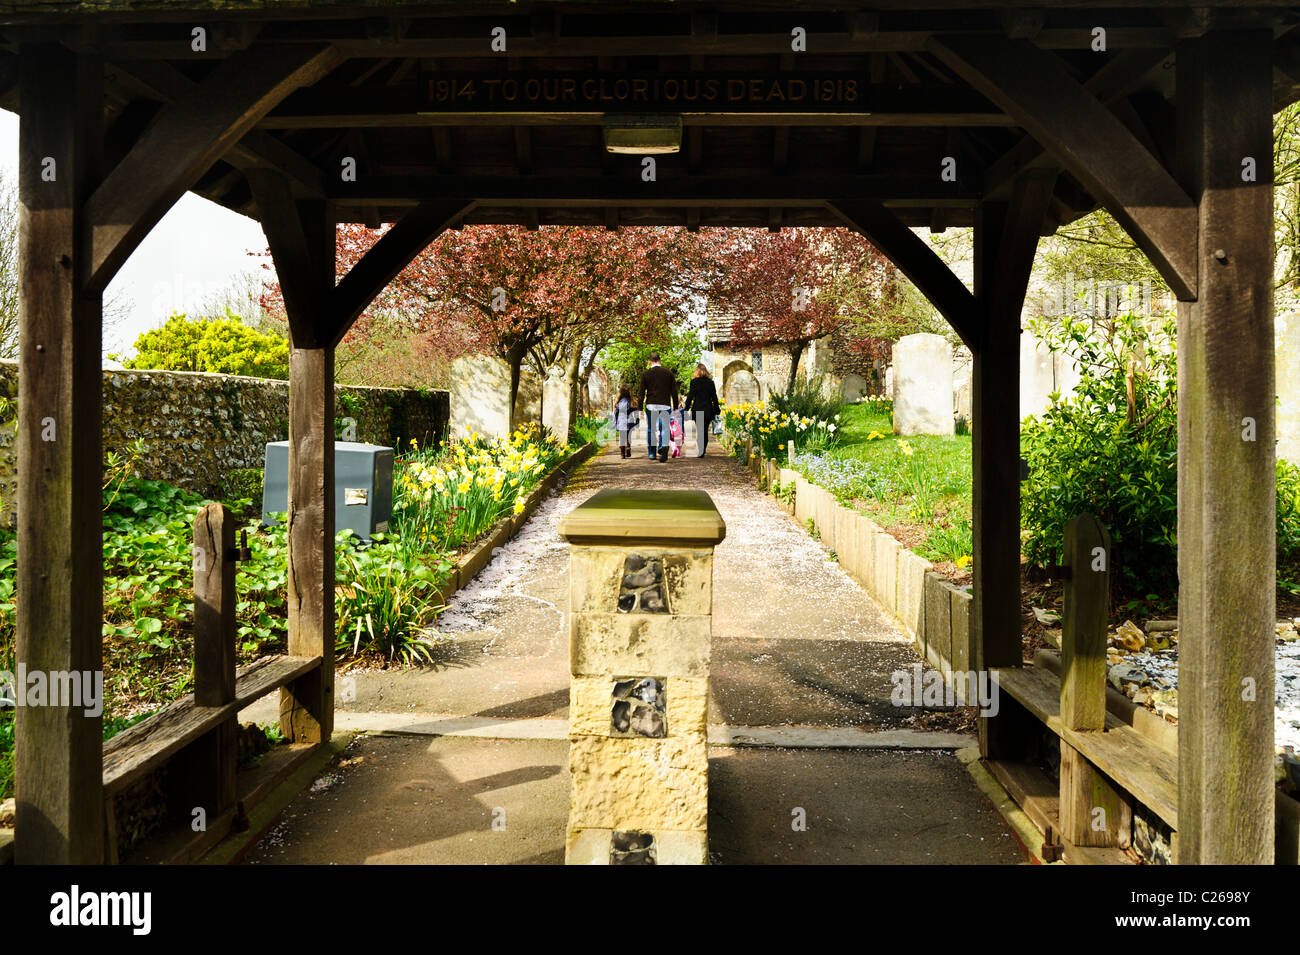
[995,426]
[1226,432]
[59,748]
[1093,812]
[301,236]
[307,705]
[213,758]
[1006,236]
[1083,629]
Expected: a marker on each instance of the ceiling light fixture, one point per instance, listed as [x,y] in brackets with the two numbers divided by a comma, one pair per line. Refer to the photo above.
[643,135]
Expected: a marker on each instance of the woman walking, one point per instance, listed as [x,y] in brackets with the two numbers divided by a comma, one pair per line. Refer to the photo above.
[623,421]
[702,403]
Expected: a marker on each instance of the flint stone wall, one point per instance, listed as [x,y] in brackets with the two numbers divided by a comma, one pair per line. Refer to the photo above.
[198,427]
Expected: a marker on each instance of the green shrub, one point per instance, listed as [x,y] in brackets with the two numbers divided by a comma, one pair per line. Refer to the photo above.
[949,542]
[591,429]
[1092,452]
[1288,513]
[1095,452]
[386,595]
[222,345]
[244,485]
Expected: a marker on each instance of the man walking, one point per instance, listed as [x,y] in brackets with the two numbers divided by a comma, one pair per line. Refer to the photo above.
[658,397]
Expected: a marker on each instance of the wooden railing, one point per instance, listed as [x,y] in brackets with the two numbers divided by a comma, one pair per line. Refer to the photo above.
[197,735]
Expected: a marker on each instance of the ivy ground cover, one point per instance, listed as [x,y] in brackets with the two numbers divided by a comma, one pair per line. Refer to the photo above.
[387,593]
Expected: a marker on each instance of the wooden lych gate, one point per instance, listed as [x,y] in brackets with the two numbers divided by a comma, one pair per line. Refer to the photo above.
[882,116]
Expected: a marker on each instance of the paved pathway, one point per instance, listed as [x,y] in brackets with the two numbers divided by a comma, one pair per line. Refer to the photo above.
[801,661]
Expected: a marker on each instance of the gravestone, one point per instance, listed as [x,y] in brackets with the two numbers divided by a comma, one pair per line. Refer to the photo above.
[555,405]
[599,393]
[742,388]
[853,387]
[961,382]
[923,385]
[479,392]
[1287,331]
[1037,375]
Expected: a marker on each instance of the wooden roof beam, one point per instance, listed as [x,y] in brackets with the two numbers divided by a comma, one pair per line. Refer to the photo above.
[858,33]
[296,266]
[183,143]
[760,190]
[919,263]
[386,259]
[1120,74]
[166,84]
[1087,139]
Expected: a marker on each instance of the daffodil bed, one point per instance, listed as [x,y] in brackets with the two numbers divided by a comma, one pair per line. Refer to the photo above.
[449,497]
[772,429]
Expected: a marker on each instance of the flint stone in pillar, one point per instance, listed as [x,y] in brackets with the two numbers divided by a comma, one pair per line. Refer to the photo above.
[672,847]
[590,705]
[596,574]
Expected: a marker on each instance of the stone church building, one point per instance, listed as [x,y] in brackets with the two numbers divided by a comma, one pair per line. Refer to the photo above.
[753,372]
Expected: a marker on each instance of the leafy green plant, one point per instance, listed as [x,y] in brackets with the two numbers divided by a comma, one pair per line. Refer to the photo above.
[785,492]
[383,604]
[589,429]
[244,488]
[1110,449]
[1288,514]
[6,731]
[808,397]
[948,542]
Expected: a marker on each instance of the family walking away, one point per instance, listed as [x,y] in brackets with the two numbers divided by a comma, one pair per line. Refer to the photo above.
[665,414]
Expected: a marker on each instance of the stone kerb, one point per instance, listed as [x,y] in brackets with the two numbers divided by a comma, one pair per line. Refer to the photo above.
[826,517]
[803,500]
[910,606]
[884,572]
[922,385]
[640,621]
[963,650]
[846,537]
[937,632]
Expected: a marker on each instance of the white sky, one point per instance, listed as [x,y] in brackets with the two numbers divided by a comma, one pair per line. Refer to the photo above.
[192,254]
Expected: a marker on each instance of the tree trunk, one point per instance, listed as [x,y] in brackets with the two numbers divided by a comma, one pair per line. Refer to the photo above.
[515,358]
[796,352]
[571,367]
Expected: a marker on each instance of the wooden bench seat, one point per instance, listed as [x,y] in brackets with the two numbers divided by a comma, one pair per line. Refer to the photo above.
[148,744]
[1135,763]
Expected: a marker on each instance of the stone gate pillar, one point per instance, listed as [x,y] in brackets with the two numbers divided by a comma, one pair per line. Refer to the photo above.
[640,623]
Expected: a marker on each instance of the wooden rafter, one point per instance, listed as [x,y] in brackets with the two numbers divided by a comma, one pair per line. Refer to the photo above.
[383,262]
[919,263]
[711,190]
[1088,140]
[183,143]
